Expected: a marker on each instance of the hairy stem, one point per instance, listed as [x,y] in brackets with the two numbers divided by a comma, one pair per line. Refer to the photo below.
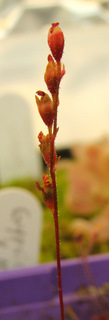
[56,96]
[57,246]
[53,177]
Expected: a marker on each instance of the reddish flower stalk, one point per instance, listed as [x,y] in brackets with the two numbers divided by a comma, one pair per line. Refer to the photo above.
[48,111]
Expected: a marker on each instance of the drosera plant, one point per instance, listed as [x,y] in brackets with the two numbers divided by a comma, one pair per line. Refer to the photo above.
[48,107]
[99,297]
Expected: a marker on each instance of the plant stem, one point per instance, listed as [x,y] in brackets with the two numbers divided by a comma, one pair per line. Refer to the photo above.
[57,246]
[55,99]
[53,178]
[56,96]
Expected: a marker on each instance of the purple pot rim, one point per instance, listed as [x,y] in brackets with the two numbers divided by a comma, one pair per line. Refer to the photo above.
[47,267]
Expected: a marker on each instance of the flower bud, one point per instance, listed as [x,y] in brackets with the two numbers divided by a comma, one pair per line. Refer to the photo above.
[47,191]
[45,108]
[45,148]
[53,75]
[56,41]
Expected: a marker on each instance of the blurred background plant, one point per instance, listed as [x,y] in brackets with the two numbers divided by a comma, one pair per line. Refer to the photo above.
[83,195]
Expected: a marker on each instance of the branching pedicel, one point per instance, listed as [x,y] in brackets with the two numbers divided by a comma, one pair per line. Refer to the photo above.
[47,107]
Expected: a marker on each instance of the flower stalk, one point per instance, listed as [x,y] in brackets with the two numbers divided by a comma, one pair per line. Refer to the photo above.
[47,107]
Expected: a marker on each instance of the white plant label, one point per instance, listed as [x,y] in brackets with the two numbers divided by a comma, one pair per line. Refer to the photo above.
[20,228]
[18,156]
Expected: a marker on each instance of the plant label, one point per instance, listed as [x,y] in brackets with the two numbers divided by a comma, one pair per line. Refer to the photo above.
[18,156]
[20,228]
